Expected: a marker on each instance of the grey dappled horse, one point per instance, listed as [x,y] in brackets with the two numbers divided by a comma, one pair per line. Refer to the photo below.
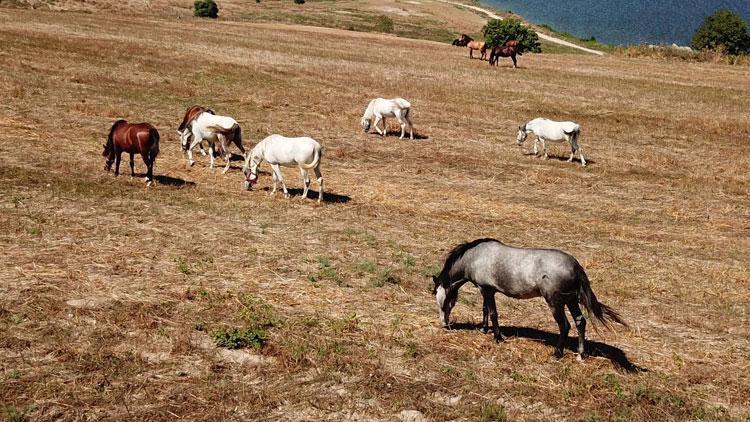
[521,273]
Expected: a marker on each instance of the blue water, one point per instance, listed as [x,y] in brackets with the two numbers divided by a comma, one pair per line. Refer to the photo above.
[626,21]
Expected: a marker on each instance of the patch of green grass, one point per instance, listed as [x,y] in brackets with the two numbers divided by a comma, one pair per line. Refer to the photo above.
[238,338]
[257,313]
[493,412]
[384,277]
[14,414]
[182,265]
[366,266]
[327,271]
[383,24]
[409,263]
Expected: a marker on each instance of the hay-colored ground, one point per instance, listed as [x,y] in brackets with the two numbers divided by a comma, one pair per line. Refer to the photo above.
[110,290]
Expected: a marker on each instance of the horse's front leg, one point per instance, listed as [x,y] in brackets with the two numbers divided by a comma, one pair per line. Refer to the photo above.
[132,165]
[280,177]
[489,297]
[190,150]
[118,156]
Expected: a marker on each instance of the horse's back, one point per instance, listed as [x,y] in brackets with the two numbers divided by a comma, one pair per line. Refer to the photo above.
[520,272]
[278,149]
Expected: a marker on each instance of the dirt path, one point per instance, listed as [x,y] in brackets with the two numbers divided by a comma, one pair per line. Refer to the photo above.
[541,35]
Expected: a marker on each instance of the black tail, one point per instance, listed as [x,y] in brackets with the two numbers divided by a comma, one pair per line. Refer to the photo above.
[587,298]
[154,150]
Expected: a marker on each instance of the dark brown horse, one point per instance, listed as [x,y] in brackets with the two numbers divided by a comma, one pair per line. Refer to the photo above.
[461,42]
[509,49]
[141,138]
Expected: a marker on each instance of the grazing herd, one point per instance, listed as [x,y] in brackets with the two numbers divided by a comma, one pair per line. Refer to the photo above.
[510,48]
[487,263]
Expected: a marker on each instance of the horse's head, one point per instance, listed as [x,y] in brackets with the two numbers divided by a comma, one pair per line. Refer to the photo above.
[521,137]
[251,171]
[108,153]
[366,124]
[446,299]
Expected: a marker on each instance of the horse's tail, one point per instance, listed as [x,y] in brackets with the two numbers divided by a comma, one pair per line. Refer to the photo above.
[574,134]
[587,298]
[315,161]
[237,137]
[154,150]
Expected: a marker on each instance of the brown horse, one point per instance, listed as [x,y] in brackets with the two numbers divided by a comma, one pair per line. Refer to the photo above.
[509,49]
[132,138]
[477,45]
[191,114]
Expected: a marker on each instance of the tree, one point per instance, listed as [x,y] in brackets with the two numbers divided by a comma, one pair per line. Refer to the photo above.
[206,9]
[724,30]
[498,32]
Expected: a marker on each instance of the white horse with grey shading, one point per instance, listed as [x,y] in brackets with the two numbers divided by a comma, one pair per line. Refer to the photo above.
[521,273]
[551,131]
[278,150]
[380,108]
[214,129]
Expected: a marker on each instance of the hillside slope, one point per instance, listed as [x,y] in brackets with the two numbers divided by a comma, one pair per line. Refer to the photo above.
[112,291]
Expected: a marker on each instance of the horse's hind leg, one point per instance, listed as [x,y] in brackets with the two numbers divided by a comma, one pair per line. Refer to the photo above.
[319,178]
[515,63]
[580,321]
[132,165]
[558,311]
[149,161]
[227,154]
[306,180]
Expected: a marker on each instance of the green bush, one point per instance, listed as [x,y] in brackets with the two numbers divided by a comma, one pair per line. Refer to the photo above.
[299,1]
[236,338]
[724,31]
[206,9]
[384,24]
[498,32]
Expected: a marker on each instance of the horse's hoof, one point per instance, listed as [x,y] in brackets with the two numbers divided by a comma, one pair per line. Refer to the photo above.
[192,163]
[484,330]
[558,354]
[148,183]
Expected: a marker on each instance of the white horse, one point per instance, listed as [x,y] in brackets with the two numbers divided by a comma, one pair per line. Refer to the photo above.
[551,131]
[212,128]
[278,150]
[381,108]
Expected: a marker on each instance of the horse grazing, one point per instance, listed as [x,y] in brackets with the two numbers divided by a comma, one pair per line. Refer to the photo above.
[551,131]
[191,113]
[462,41]
[278,150]
[521,273]
[381,108]
[141,138]
[477,45]
[509,49]
[212,128]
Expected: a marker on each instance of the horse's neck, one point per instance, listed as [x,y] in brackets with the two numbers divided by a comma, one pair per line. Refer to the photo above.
[370,111]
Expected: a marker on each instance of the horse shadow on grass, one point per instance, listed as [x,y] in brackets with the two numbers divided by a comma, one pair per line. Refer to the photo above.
[593,348]
[559,158]
[397,134]
[172,181]
[313,195]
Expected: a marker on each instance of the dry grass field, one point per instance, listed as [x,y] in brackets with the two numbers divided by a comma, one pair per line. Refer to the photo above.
[112,294]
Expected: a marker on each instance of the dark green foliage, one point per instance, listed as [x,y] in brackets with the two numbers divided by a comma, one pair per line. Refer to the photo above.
[237,338]
[299,1]
[206,9]
[724,31]
[498,32]
[384,24]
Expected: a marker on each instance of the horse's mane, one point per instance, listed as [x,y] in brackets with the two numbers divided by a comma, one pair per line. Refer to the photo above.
[456,253]
[185,121]
[368,112]
[110,141]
